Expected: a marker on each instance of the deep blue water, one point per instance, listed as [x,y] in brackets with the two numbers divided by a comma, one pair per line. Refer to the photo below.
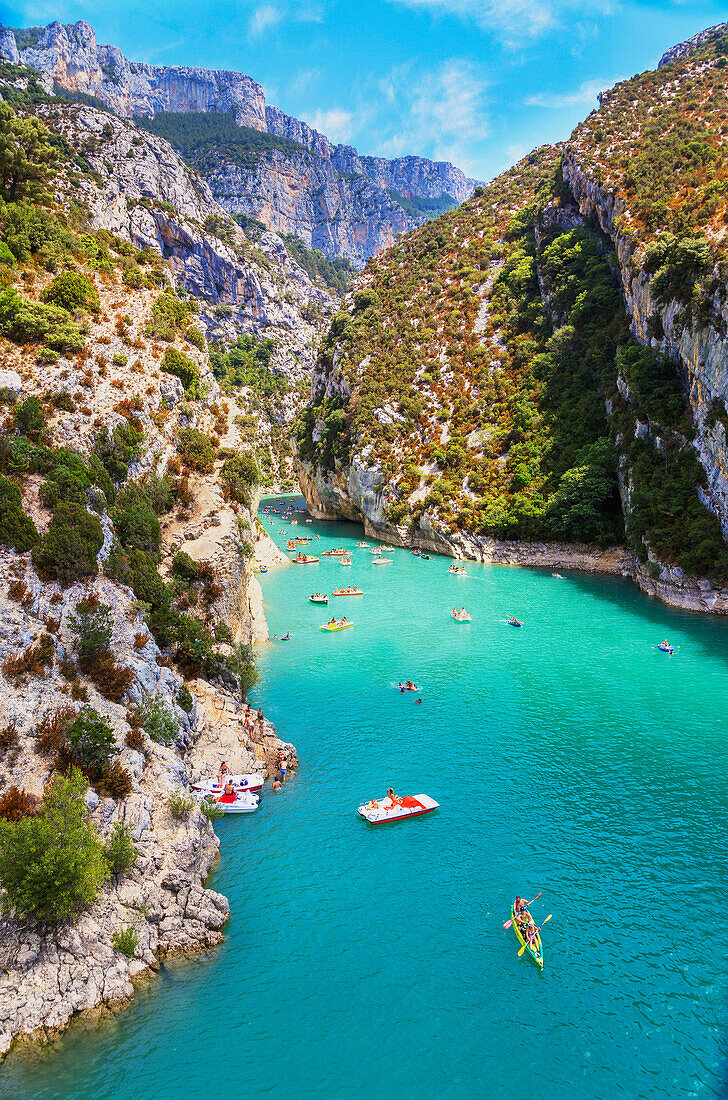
[569,757]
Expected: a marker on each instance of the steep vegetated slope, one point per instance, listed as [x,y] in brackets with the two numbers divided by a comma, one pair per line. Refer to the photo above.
[259,161]
[513,369]
[129,468]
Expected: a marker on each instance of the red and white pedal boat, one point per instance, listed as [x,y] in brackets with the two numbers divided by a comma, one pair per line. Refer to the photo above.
[238,803]
[381,810]
[245,784]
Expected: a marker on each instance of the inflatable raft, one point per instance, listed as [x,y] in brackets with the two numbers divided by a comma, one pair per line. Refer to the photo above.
[344,624]
[666,648]
[381,810]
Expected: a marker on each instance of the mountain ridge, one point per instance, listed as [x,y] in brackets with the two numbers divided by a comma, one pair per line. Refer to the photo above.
[341,216]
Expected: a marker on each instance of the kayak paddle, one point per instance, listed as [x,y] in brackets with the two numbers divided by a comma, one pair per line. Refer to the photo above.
[510,922]
[533,937]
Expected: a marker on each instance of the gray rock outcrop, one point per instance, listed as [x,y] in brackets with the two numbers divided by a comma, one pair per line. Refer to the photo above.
[326,194]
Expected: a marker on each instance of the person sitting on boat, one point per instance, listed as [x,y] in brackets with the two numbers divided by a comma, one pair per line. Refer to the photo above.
[395,799]
[229,789]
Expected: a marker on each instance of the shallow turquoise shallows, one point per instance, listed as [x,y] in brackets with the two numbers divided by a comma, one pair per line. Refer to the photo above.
[569,757]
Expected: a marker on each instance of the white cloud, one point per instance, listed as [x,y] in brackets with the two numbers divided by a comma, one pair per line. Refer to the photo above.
[512,20]
[441,113]
[584,96]
[265,17]
[305,80]
[336,123]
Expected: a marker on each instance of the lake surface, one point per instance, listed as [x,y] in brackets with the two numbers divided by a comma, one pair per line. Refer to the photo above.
[569,757]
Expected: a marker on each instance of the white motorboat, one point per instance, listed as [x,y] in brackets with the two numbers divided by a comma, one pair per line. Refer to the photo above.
[238,803]
[246,784]
[381,810]
[382,561]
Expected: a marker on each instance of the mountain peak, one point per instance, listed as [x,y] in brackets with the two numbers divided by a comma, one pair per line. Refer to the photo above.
[682,49]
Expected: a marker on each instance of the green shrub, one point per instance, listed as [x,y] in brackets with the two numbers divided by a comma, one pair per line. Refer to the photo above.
[70,290]
[118,449]
[119,850]
[196,450]
[48,355]
[184,567]
[91,626]
[119,360]
[68,549]
[170,315]
[180,805]
[212,810]
[184,699]
[195,337]
[25,321]
[29,418]
[16,528]
[135,520]
[177,363]
[91,741]
[52,865]
[239,476]
[6,256]
[158,721]
[242,664]
[126,941]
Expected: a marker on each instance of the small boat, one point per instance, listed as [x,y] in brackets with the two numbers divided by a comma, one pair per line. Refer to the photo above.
[665,647]
[350,591]
[290,545]
[382,561]
[335,553]
[461,616]
[294,523]
[309,521]
[345,560]
[381,810]
[318,599]
[514,622]
[263,569]
[377,549]
[557,576]
[238,803]
[457,571]
[535,948]
[416,553]
[304,559]
[246,783]
[337,624]
[425,557]
[362,544]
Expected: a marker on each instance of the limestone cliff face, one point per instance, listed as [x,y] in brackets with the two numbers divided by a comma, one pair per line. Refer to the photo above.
[76,63]
[701,350]
[327,194]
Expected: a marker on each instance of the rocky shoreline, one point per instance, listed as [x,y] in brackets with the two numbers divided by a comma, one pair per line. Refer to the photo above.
[330,498]
[46,979]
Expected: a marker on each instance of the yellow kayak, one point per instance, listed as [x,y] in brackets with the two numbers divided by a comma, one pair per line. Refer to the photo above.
[534,949]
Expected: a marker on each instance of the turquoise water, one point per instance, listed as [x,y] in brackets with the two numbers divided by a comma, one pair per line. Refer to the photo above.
[569,757]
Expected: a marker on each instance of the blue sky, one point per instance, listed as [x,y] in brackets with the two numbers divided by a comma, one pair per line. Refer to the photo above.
[477,82]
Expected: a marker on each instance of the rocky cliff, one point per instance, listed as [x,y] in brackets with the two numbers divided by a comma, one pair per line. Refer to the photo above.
[587,290]
[128,472]
[335,200]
